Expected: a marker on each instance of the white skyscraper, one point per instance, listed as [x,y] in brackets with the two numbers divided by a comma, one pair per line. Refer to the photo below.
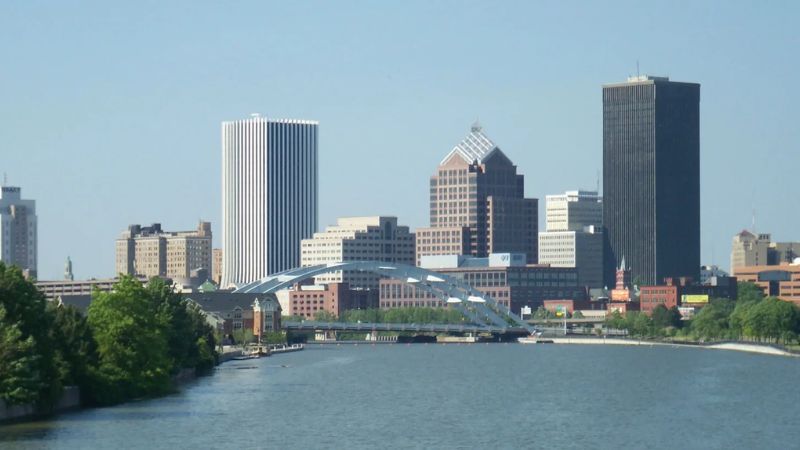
[17,230]
[573,237]
[269,195]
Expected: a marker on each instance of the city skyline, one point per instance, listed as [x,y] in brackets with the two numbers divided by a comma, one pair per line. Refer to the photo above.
[545,109]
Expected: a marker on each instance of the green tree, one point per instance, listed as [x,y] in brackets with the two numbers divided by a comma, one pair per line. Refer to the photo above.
[324,316]
[75,347]
[20,376]
[134,359]
[713,320]
[748,292]
[25,310]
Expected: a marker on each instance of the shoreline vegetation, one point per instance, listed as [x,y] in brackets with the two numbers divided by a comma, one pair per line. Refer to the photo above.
[137,341]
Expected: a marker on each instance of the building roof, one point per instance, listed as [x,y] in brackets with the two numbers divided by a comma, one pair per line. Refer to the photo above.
[475,147]
[225,300]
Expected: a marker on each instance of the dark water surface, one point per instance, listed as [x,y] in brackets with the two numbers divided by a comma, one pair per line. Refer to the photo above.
[456,396]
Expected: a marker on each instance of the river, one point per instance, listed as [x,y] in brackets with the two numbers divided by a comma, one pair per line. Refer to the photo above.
[455,396]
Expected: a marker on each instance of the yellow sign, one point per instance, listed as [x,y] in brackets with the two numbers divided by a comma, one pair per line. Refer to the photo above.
[694,298]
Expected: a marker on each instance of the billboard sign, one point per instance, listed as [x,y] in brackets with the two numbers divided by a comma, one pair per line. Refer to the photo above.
[686,298]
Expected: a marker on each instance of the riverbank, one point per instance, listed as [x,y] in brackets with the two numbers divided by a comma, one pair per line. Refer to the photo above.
[734,346]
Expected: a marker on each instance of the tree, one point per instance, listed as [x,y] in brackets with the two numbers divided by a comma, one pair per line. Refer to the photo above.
[75,347]
[713,320]
[324,316]
[748,292]
[20,377]
[134,360]
[30,347]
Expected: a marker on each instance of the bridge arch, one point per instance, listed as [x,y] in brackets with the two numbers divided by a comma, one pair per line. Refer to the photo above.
[475,305]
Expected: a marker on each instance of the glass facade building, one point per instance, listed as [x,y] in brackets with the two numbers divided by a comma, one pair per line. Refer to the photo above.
[651,178]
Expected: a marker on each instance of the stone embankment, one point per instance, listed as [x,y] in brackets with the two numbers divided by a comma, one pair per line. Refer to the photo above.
[736,346]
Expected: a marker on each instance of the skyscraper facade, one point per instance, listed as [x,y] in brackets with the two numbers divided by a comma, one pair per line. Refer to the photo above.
[18,235]
[478,204]
[651,178]
[377,238]
[152,252]
[269,195]
[573,237]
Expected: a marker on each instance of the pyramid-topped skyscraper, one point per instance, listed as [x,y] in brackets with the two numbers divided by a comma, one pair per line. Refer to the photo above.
[478,204]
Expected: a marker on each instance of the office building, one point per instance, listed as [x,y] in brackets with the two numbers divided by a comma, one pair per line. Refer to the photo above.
[782,280]
[574,237]
[334,298]
[269,195]
[503,276]
[152,252]
[478,204]
[751,249]
[376,238]
[18,235]
[651,178]
[216,265]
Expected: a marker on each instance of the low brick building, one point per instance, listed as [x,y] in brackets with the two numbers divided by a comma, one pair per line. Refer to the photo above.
[335,298]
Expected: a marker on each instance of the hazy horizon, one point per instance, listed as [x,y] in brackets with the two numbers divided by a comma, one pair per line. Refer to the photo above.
[111,115]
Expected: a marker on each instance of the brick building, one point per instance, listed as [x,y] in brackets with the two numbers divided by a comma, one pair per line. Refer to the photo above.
[307,300]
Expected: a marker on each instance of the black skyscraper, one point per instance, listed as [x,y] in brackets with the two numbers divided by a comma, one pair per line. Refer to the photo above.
[651,178]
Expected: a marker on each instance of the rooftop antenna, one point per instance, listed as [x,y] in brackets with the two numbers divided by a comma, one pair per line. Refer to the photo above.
[5,179]
[598,182]
[637,68]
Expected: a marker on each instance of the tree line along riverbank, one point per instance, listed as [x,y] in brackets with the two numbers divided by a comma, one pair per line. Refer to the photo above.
[132,343]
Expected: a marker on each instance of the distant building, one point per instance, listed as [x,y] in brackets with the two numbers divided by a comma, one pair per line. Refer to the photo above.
[375,238]
[335,298]
[782,281]
[651,178]
[574,237]
[68,276]
[269,195]
[18,232]
[503,276]
[708,273]
[153,252]
[229,312]
[478,204]
[685,293]
[54,289]
[216,266]
[749,249]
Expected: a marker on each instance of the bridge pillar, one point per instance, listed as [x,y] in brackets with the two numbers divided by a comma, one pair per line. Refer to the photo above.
[372,336]
[325,335]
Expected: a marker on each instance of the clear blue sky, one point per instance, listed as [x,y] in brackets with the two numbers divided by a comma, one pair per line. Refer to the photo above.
[110,114]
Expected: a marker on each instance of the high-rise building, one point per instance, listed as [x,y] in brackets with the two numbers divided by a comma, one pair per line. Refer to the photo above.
[18,238]
[216,265]
[651,178]
[750,249]
[153,252]
[375,238]
[573,237]
[269,195]
[478,204]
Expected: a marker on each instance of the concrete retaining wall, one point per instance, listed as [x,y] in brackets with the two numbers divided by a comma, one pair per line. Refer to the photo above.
[70,399]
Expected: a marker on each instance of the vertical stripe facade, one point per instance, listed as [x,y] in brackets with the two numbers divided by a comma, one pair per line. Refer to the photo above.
[269,195]
[651,179]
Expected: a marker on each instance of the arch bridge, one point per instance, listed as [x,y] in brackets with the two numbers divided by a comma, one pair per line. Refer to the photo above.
[484,312]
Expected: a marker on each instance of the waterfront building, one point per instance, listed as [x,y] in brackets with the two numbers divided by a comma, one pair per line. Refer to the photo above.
[782,281]
[685,293]
[216,266]
[152,252]
[18,231]
[478,204]
[229,312]
[376,238]
[503,276]
[573,237]
[335,298]
[269,195]
[651,178]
